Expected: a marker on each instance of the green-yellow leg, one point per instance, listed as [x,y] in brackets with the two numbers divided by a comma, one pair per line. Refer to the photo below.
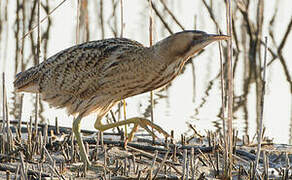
[76,130]
[136,121]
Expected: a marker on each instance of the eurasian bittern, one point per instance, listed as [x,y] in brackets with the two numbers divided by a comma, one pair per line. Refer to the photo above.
[94,76]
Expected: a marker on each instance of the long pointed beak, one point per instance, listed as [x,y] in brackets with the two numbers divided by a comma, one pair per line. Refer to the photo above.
[216,37]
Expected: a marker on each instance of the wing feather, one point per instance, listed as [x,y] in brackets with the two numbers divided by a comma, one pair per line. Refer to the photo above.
[76,76]
[81,70]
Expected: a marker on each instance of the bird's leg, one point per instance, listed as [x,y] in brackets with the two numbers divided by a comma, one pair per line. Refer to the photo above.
[76,130]
[131,135]
[136,121]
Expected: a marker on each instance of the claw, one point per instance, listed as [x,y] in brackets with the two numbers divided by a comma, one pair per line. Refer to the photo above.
[154,126]
[148,130]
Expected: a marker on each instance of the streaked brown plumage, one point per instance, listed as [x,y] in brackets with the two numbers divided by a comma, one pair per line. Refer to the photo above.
[94,76]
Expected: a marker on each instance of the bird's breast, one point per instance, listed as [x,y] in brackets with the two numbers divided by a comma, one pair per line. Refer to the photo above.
[152,78]
[137,77]
[167,74]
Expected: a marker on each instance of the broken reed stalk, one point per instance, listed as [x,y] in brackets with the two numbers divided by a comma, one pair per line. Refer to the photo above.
[37,61]
[121,35]
[150,44]
[76,42]
[228,171]
[6,122]
[77,22]
[20,117]
[150,171]
[223,104]
[101,19]
[7,128]
[260,130]
[3,102]
[184,165]
[125,116]
[122,18]
[161,164]
[266,165]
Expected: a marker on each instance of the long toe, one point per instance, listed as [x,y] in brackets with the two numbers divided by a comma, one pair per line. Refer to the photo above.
[147,129]
[146,122]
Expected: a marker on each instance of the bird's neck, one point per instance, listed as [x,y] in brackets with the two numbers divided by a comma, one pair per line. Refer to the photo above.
[169,51]
[166,62]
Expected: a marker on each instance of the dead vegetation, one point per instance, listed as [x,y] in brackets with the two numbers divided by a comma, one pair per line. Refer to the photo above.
[33,151]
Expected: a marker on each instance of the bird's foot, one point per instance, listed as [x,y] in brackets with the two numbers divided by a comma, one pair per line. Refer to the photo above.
[144,123]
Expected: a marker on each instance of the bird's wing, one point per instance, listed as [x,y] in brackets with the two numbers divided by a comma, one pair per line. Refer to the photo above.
[81,70]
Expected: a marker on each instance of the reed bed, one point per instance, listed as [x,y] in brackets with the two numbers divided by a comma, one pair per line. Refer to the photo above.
[32,149]
[51,152]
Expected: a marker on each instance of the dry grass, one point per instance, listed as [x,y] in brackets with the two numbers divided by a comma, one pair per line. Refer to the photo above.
[244,26]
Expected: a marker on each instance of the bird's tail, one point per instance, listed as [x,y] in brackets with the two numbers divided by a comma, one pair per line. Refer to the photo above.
[26,81]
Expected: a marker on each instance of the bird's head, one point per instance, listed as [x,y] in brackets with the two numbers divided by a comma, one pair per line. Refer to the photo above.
[186,44]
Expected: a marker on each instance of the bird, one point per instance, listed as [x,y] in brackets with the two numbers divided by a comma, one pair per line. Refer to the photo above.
[92,77]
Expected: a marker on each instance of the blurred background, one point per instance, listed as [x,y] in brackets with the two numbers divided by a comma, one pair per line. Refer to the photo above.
[194,97]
